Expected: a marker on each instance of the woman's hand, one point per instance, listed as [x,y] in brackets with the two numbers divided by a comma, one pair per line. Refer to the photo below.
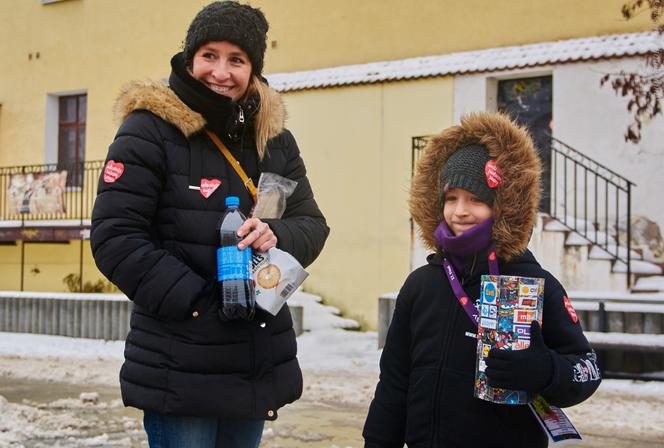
[256,234]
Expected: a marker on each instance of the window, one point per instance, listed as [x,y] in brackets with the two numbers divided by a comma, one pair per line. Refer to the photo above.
[72,110]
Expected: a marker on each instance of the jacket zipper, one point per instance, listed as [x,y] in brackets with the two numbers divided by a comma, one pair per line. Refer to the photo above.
[241,115]
[472,270]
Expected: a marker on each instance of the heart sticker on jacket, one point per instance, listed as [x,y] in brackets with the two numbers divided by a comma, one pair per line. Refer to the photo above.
[112,171]
[208,186]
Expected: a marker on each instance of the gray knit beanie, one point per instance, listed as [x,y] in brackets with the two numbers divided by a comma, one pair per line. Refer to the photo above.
[472,169]
[240,24]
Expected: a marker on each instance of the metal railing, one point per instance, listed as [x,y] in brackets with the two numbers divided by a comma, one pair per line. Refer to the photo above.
[31,193]
[589,198]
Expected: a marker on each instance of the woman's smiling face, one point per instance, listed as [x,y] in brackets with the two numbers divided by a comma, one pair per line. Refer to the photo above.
[223,67]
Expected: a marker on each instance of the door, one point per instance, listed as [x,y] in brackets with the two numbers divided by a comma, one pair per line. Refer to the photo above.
[529,102]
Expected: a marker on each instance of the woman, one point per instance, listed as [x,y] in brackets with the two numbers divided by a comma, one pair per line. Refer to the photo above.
[200,381]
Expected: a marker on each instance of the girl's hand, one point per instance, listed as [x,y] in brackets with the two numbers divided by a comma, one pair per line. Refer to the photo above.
[256,234]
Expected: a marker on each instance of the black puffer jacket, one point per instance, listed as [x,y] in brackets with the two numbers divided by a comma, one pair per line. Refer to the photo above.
[425,394]
[155,238]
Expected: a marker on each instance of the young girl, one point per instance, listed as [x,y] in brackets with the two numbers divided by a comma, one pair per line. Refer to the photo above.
[201,382]
[475,198]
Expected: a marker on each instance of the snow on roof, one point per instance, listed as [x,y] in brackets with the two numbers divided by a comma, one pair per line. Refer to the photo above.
[492,59]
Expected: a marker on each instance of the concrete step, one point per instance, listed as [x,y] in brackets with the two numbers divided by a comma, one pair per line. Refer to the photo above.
[653,283]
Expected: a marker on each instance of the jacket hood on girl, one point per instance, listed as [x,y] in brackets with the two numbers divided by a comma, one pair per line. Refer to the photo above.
[516,198]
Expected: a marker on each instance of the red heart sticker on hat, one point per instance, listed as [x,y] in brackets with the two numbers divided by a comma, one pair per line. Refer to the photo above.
[112,171]
[208,186]
[493,177]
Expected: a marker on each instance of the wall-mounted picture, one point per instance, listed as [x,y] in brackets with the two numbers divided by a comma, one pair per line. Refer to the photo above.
[37,193]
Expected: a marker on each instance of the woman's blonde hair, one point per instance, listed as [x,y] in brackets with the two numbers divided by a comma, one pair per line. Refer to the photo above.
[262,121]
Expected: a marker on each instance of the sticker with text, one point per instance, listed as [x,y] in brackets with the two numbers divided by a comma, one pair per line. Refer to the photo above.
[493,176]
[208,186]
[112,171]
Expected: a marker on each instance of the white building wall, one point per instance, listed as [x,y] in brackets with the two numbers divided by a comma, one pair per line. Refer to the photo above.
[589,118]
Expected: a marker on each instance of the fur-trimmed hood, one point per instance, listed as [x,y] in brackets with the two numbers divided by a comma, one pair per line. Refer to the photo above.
[159,99]
[516,200]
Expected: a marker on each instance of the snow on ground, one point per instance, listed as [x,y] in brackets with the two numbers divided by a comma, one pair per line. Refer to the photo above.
[340,372]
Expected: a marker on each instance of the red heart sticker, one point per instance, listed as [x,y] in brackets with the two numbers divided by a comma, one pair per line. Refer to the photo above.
[208,186]
[570,309]
[493,177]
[492,256]
[463,300]
[112,171]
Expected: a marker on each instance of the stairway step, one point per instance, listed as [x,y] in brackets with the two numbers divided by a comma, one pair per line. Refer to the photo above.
[653,283]
[576,239]
[555,226]
[599,253]
[638,267]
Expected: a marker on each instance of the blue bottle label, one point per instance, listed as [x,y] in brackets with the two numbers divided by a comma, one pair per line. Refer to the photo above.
[233,263]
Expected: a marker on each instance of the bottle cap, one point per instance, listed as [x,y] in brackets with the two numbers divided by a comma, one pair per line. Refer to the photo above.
[232,201]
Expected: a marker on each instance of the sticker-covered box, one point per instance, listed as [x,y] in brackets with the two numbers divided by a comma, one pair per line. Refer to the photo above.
[508,304]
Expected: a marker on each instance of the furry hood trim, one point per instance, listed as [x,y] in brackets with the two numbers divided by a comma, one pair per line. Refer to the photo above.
[159,99]
[516,200]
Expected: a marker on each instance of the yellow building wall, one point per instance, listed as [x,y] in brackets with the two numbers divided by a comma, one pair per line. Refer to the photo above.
[46,265]
[99,45]
[356,143]
[356,139]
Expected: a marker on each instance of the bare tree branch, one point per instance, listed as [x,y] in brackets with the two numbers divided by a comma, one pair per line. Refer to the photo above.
[645,91]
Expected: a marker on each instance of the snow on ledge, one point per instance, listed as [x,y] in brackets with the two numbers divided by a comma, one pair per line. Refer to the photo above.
[46,223]
[555,226]
[574,239]
[655,283]
[638,267]
[647,340]
[487,60]
[62,295]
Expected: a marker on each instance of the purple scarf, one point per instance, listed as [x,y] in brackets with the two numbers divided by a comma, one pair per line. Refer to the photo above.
[468,243]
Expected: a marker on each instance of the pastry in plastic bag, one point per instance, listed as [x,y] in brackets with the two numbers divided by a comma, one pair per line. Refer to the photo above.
[273,190]
[277,275]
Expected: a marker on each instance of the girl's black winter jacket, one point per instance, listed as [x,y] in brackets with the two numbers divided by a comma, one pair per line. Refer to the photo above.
[155,238]
[425,394]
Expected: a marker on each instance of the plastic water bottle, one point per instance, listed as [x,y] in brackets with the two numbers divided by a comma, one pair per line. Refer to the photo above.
[233,266]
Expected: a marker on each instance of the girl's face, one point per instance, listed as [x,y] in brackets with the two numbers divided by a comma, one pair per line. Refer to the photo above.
[223,67]
[463,210]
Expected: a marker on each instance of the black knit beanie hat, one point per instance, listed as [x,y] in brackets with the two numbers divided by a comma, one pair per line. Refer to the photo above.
[240,24]
[472,169]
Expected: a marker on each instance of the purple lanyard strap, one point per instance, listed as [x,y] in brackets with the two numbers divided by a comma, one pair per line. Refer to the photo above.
[460,294]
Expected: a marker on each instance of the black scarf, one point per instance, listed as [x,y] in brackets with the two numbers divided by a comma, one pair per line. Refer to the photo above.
[226,118]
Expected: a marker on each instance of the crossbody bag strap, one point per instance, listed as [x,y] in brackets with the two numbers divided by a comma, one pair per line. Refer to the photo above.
[234,163]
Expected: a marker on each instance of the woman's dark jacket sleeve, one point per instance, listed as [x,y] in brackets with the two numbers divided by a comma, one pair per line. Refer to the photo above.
[122,229]
[385,426]
[302,230]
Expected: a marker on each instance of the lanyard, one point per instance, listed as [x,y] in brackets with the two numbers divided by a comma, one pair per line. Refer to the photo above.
[462,297]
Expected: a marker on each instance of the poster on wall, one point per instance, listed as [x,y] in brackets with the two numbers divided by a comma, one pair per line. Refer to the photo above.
[37,193]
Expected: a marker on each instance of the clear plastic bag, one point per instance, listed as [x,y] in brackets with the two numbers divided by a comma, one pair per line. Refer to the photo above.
[273,190]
